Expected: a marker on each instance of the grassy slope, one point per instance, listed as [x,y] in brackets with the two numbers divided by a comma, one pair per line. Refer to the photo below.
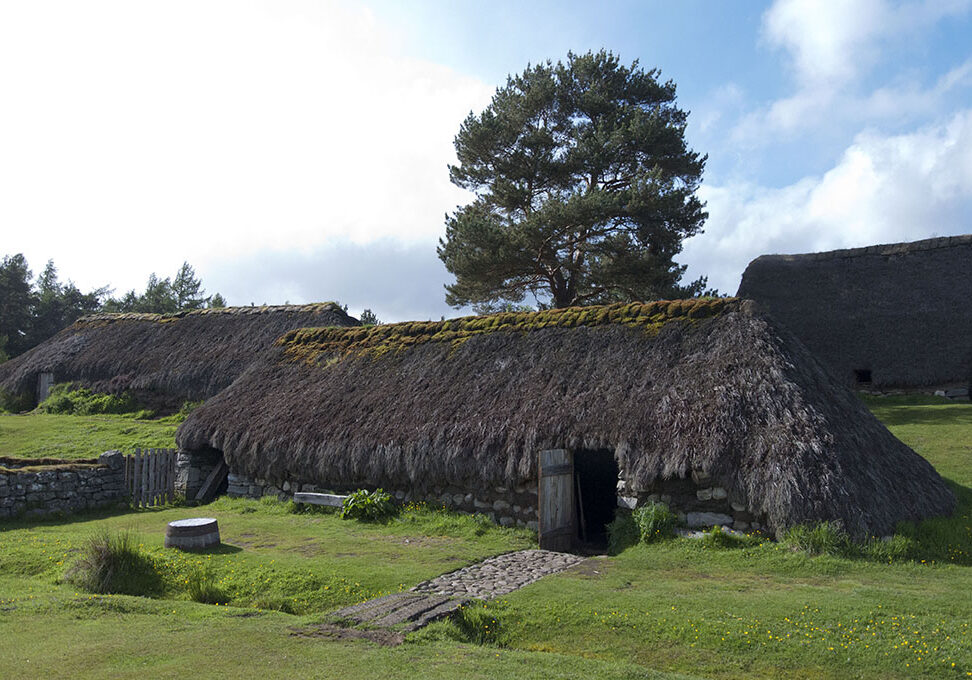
[675,607]
[39,435]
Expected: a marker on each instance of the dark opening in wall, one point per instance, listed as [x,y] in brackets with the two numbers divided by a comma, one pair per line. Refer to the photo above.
[596,479]
[863,375]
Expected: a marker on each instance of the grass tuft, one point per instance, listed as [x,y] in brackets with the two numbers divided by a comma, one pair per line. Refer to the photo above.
[824,538]
[114,563]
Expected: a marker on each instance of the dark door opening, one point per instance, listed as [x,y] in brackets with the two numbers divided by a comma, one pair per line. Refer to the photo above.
[596,479]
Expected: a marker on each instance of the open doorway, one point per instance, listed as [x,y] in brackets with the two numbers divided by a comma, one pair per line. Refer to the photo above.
[596,481]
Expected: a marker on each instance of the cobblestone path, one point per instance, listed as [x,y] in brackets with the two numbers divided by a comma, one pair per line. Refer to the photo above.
[441,596]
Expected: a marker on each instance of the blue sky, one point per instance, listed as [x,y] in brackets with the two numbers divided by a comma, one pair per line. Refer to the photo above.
[296,150]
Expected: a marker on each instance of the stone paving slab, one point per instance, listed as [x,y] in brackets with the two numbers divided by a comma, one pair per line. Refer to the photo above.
[499,575]
[438,598]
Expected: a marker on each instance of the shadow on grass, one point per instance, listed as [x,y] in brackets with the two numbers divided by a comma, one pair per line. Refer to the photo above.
[107,512]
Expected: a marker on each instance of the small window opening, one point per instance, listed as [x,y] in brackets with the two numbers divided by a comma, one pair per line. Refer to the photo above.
[863,375]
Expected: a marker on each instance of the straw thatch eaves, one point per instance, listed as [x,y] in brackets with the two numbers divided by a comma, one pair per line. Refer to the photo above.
[164,358]
[669,387]
[888,316]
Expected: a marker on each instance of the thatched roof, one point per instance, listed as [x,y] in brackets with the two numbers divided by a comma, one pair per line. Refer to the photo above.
[187,355]
[899,314]
[669,386]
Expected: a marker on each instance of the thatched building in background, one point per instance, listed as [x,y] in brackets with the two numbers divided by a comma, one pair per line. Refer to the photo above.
[703,403]
[888,316]
[164,359]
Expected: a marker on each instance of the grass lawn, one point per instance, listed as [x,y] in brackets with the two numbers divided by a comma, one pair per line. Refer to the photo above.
[679,608]
[40,435]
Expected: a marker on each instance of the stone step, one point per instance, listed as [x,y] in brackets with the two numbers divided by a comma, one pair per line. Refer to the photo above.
[411,611]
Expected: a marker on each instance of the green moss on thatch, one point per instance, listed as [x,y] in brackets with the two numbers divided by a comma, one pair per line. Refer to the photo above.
[323,345]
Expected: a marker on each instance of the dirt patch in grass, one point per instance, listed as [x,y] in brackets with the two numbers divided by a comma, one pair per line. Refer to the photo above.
[589,569]
[329,631]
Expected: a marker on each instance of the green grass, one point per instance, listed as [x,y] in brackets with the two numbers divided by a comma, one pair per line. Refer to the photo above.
[40,435]
[719,607]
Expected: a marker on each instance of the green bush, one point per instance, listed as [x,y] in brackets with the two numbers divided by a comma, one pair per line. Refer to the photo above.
[655,521]
[368,506]
[895,548]
[202,587]
[64,400]
[115,563]
[824,538]
[717,538]
[481,625]
[622,532]
[14,403]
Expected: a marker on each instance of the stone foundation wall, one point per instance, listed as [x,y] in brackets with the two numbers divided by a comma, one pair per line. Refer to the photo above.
[62,488]
[515,506]
[698,501]
[192,469]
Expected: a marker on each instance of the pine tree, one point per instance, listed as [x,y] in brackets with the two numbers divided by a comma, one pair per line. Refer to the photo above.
[585,189]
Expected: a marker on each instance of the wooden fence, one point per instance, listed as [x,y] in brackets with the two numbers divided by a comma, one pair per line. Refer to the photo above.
[150,477]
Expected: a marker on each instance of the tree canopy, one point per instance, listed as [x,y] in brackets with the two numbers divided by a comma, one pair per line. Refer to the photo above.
[584,189]
[31,312]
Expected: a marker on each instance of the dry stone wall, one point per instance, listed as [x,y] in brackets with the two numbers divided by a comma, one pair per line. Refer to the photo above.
[698,500]
[69,486]
[507,506]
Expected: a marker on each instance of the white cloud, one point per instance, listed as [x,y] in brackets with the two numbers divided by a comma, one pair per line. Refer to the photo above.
[832,46]
[136,135]
[829,42]
[884,189]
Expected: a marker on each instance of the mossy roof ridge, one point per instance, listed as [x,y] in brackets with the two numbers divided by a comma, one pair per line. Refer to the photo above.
[311,343]
[235,311]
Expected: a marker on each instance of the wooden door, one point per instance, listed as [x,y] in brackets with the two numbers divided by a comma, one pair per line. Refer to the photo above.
[44,383]
[556,500]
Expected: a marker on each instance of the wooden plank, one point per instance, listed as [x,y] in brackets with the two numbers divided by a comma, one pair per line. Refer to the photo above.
[330,500]
[165,477]
[143,482]
[136,476]
[553,470]
[557,512]
[215,478]
[153,471]
[128,469]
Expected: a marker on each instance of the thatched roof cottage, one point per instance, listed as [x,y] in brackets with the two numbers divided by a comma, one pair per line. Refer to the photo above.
[164,358]
[887,316]
[704,403]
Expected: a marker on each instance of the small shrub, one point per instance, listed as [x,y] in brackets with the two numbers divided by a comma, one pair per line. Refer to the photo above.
[114,563]
[895,548]
[368,506]
[622,532]
[655,521]
[481,625]
[719,539]
[824,538]
[15,403]
[64,400]
[202,587]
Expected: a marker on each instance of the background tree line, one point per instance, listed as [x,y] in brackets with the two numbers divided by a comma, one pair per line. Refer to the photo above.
[32,310]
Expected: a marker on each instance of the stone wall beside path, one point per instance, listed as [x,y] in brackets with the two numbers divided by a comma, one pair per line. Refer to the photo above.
[31,490]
